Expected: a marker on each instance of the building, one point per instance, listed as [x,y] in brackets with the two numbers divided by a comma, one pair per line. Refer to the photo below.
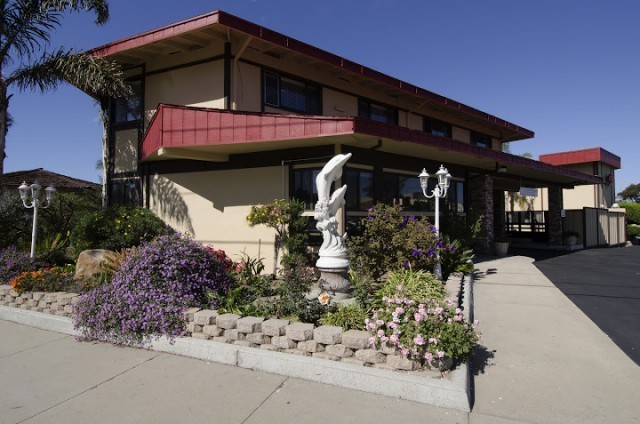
[228,114]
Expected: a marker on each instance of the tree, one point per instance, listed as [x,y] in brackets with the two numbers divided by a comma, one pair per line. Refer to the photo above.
[28,62]
[631,193]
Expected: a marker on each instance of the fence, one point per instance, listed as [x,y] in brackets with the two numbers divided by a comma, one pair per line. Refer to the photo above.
[597,227]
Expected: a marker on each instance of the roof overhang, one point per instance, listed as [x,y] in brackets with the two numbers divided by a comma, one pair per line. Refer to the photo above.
[181,132]
[196,33]
[575,157]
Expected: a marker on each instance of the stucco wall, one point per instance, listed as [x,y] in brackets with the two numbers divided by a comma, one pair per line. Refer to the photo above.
[212,206]
[247,88]
[461,134]
[201,85]
[336,103]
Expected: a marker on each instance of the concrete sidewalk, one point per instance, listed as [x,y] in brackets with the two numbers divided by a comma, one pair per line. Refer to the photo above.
[542,361]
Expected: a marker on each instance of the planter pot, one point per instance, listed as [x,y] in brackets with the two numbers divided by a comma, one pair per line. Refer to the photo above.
[501,248]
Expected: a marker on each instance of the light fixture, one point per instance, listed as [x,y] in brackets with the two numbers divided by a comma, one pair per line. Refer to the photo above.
[30,196]
[440,191]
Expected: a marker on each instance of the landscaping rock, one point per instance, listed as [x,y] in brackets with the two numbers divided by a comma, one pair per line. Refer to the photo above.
[356,339]
[232,334]
[300,331]
[227,321]
[325,355]
[201,336]
[274,327]
[90,262]
[328,334]
[399,362]
[189,314]
[51,297]
[270,347]
[245,343]
[192,327]
[352,360]
[258,338]
[205,317]
[5,289]
[65,298]
[297,352]
[249,324]
[38,295]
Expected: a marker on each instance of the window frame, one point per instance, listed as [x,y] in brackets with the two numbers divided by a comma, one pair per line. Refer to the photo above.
[364,111]
[272,96]
[480,139]
[137,86]
[428,125]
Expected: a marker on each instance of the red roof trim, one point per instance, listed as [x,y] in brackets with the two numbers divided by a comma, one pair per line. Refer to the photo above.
[596,154]
[279,39]
[184,126]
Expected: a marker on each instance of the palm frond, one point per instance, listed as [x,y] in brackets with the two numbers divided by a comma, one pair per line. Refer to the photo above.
[26,28]
[94,75]
[99,7]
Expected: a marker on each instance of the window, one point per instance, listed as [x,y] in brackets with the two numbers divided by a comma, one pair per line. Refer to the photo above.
[359,194]
[124,192]
[404,190]
[480,140]
[304,186]
[129,109]
[435,127]
[377,112]
[291,94]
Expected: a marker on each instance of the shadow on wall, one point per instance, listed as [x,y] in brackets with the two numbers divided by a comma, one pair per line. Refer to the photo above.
[168,203]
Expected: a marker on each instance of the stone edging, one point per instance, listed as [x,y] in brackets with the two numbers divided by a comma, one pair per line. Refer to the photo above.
[418,386]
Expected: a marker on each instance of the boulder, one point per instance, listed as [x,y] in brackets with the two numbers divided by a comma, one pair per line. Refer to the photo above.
[90,262]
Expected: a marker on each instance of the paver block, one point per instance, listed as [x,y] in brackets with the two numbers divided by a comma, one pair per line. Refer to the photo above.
[399,362]
[188,314]
[77,299]
[274,327]
[205,317]
[354,361]
[371,356]
[283,342]
[65,298]
[356,339]
[38,295]
[297,352]
[68,309]
[222,339]
[51,297]
[201,336]
[311,346]
[270,348]
[192,327]
[62,314]
[212,330]
[328,334]
[339,350]
[20,300]
[5,289]
[234,334]
[245,343]
[249,324]
[227,321]
[258,338]
[388,350]
[13,293]
[300,331]
[325,355]
[27,295]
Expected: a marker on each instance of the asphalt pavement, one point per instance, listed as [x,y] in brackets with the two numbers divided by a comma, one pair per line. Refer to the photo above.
[605,284]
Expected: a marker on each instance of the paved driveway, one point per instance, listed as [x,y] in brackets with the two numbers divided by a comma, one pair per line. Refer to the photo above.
[605,285]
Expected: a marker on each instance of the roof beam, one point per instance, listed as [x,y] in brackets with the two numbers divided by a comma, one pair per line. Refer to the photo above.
[185,153]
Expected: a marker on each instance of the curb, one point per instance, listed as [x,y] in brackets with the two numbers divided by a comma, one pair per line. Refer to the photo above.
[452,393]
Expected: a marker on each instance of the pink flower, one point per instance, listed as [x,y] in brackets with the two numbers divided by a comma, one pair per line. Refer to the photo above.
[433,341]
[439,310]
[440,354]
[417,317]
[458,311]
[394,338]
[457,318]
[372,340]
[399,287]
[380,333]
[404,352]
[399,310]
[419,340]
[476,323]
[384,339]
[379,322]
[428,356]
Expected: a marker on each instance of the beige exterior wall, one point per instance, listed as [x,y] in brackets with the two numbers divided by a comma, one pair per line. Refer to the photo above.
[415,122]
[212,206]
[165,59]
[200,85]
[126,151]
[460,134]
[247,88]
[336,103]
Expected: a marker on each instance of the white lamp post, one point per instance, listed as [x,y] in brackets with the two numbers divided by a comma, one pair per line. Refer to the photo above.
[30,196]
[439,191]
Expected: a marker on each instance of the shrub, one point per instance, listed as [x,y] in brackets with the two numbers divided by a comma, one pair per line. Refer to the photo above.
[13,263]
[426,332]
[47,280]
[349,317]
[390,241]
[146,297]
[116,228]
[633,211]
[632,231]
[419,286]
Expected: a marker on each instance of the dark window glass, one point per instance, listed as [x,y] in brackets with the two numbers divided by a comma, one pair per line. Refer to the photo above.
[291,94]
[377,112]
[359,194]
[435,127]
[124,192]
[129,109]
[405,191]
[304,186]
[481,140]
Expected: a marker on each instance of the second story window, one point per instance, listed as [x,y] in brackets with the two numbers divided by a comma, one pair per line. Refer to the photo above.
[129,109]
[480,140]
[291,94]
[377,112]
[435,127]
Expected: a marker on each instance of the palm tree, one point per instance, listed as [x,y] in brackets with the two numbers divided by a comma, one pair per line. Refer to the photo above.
[28,63]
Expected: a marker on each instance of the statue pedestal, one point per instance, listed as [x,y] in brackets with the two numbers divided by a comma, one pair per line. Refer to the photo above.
[335,282]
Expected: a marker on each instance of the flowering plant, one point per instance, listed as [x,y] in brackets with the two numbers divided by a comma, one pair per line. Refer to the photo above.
[45,280]
[14,262]
[147,295]
[425,331]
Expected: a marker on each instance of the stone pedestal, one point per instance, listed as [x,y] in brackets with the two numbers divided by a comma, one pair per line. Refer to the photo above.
[335,282]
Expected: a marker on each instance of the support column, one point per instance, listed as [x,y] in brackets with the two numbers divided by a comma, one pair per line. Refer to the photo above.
[499,224]
[481,194]
[554,225]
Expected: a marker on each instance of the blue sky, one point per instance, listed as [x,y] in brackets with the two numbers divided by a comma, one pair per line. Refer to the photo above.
[568,70]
